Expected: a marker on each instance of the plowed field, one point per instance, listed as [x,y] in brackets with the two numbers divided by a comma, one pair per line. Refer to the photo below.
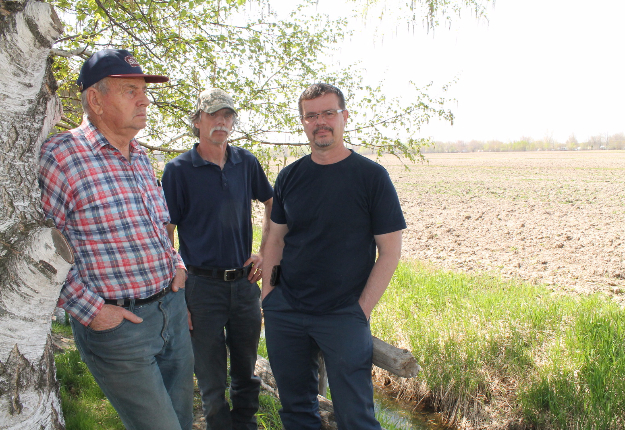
[556,218]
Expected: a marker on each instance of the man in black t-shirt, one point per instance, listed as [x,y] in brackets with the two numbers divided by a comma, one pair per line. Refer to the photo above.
[332,209]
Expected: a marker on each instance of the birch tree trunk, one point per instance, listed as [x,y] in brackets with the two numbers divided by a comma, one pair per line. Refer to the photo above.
[34,258]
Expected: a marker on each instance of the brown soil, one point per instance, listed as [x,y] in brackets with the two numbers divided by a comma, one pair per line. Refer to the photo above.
[556,218]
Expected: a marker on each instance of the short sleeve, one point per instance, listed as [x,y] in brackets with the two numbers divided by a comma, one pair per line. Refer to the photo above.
[174,195]
[386,212]
[278,214]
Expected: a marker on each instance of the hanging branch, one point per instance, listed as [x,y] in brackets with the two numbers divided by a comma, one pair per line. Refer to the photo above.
[80,52]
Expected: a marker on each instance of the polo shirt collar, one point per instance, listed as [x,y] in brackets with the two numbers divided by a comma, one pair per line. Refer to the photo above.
[233,156]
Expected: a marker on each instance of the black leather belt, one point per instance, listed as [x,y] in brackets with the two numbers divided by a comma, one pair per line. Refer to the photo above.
[138,302]
[223,274]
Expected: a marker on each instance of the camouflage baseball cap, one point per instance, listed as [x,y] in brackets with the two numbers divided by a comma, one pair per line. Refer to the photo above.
[213,99]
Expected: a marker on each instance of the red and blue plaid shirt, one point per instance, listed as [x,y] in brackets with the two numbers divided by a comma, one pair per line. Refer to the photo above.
[114,215]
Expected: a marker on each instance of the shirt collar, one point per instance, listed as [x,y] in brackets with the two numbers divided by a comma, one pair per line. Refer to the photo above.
[96,140]
[234,157]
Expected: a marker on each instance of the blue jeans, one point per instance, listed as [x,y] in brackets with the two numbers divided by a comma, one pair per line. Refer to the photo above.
[145,369]
[293,343]
[225,315]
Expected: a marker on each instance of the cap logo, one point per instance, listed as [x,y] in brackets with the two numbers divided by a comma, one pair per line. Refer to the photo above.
[132,61]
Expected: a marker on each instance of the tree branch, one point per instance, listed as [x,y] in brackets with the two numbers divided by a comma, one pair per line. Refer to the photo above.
[69,121]
[162,148]
[264,142]
[80,52]
[127,31]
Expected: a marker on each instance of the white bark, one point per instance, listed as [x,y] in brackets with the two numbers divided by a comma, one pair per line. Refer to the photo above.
[38,269]
[30,399]
[34,259]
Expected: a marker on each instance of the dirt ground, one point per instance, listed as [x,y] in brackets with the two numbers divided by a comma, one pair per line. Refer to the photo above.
[556,218]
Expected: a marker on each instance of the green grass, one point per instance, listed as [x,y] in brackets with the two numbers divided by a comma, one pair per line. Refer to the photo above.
[267,416]
[565,355]
[84,404]
[560,359]
[86,408]
[584,382]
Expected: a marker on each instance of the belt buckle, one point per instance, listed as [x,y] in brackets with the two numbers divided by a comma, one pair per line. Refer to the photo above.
[229,272]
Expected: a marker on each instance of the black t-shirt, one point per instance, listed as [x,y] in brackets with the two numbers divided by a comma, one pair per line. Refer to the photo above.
[332,213]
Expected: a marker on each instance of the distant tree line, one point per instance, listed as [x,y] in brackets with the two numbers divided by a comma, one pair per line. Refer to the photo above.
[600,141]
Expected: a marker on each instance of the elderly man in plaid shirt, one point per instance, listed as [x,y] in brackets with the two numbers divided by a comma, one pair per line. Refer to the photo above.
[128,316]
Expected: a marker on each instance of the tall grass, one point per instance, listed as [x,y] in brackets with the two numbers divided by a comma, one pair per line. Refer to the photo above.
[84,405]
[555,361]
[534,357]
[86,408]
[584,382]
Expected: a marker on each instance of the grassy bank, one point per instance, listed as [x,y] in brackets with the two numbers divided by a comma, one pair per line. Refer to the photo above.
[86,408]
[496,352]
[493,353]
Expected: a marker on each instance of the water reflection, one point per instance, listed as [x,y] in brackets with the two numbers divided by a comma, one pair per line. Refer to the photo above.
[395,416]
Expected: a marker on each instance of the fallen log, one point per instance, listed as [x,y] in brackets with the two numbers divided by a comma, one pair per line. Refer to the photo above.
[396,360]
[388,357]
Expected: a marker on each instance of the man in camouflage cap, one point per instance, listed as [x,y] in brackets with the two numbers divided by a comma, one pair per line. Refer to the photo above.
[209,192]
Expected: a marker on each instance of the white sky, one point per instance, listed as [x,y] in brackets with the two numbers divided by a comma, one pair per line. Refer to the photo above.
[537,68]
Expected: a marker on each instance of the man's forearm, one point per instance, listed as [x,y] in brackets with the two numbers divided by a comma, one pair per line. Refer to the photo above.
[265,226]
[272,257]
[273,254]
[170,232]
[389,248]
[78,300]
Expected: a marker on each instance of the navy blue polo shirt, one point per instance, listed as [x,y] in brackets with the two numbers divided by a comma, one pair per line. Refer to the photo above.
[212,207]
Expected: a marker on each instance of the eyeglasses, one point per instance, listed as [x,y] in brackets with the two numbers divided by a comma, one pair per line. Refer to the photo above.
[326,115]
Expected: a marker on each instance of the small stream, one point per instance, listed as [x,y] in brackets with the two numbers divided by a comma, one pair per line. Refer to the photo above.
[396,416]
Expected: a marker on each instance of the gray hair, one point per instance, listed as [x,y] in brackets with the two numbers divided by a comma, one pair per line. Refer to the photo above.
[193,119]
[196,117]
[102,86]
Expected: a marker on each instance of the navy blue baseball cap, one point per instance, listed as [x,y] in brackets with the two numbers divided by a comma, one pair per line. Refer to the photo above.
[116,63]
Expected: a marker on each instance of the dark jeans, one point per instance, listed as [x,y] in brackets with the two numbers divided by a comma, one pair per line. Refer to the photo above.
[225,314]
[145,369]
[293,343]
